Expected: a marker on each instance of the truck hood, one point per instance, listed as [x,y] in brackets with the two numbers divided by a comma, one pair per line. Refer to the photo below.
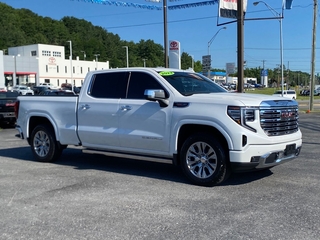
[246,99]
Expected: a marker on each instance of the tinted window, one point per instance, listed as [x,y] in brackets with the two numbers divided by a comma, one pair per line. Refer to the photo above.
[188,83]
[109,85]
[139,82]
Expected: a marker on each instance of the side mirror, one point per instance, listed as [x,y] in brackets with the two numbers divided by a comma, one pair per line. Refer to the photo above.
[156,95]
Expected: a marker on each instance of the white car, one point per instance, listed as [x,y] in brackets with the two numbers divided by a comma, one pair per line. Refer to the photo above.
[3,89]
[23,90]
[286,93]
[48,85]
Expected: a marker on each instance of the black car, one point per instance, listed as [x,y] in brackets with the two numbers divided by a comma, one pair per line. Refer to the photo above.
[39,89]
[57,92]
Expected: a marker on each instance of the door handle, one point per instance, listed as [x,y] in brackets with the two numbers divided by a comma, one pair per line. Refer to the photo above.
[85,106]
[125,108]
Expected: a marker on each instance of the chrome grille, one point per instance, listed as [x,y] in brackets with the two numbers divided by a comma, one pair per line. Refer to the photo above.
[279,117]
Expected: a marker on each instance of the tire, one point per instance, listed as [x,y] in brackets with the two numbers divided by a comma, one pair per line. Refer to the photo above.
[44,146]
[203,160]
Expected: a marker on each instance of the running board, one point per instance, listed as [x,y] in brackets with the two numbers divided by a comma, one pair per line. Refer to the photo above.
[130,156]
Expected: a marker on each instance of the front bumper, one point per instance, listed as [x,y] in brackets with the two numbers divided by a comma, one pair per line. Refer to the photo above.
[257,157]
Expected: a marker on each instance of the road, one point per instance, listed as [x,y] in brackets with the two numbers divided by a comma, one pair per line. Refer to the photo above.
[85,196]
[305,105]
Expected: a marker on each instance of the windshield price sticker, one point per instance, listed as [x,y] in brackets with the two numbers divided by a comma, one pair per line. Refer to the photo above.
[166,73]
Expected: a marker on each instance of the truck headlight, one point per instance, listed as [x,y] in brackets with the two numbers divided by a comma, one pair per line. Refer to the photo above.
[243,115]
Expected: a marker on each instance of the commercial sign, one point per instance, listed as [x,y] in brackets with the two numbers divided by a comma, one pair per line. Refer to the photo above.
[230,68]
[52,61]
[174,54]
[206,63]
[264,72]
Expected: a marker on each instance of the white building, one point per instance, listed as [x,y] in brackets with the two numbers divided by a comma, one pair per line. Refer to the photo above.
[41,63]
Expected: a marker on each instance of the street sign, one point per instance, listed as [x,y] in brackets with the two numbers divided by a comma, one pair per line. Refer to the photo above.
[206,63]
[230,68]
[206,59]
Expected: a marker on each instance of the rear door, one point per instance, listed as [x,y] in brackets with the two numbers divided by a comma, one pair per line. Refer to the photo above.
[99,108]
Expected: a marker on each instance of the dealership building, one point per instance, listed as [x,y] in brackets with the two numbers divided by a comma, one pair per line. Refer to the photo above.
[41,63]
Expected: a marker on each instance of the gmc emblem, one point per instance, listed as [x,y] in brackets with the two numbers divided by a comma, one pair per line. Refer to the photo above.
[286,114]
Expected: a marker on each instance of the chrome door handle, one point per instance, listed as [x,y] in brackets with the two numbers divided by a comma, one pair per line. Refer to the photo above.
[125,108]
[85,106]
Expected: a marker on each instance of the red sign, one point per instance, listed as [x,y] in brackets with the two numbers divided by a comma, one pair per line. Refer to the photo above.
[174,45]
[52,61]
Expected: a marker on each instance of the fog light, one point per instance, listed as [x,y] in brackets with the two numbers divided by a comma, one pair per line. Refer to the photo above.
[255,159]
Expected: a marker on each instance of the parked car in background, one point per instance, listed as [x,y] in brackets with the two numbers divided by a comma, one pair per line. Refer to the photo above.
[7,103]
[3,89]
[307,92]
[23,90]
[57,92]
[39,89]
[257,85]
[48,85]
[286,93]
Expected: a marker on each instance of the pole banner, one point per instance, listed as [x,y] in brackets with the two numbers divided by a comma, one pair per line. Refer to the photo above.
[228,8]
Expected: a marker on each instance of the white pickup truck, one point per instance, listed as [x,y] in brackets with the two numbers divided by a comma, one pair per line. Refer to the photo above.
[164,115]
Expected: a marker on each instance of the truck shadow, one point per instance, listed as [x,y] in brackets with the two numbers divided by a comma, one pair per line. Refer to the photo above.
[83,161]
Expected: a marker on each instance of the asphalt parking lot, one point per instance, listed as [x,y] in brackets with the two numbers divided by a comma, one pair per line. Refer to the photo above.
[84,196]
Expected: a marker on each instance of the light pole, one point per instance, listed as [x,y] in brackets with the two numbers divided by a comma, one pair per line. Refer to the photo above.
[70,57]
[192,62]
[14,80]
[84,55]
[280,17]
[97,55]
[209,44]
[144,62]
[127,55]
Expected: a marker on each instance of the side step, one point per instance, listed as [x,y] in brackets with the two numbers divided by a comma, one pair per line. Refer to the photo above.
[130,156]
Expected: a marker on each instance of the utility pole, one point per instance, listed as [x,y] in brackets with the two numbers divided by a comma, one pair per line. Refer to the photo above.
[263,77]
[288,74]
[313,54]
[240,30]
[165,34]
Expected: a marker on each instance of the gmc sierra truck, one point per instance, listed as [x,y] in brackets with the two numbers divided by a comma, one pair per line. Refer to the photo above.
[164,115]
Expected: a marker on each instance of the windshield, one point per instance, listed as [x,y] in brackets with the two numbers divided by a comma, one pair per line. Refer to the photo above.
[188,83]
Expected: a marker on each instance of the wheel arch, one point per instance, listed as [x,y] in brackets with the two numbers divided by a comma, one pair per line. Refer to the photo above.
[190,129]
[38,120]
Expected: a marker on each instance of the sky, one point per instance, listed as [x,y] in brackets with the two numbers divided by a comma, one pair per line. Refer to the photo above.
[194,27]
